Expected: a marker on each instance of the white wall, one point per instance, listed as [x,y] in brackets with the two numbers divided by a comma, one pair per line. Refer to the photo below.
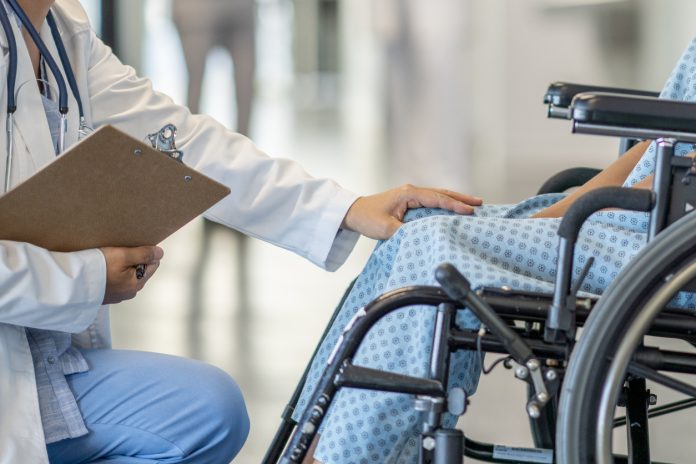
[520,47]
[666,27]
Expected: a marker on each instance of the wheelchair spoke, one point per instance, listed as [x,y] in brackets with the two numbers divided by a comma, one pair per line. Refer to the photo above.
[662,410]
[669,382]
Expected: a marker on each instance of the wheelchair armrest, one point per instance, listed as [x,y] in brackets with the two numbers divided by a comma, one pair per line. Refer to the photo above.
[567,179]
[561,94]
[561,325]
[640,112]
[601,198]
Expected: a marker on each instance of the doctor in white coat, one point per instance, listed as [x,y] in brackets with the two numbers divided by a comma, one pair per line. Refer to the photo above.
[65,396]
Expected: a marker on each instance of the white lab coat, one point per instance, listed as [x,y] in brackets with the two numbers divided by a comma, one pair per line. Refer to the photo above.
[271,199]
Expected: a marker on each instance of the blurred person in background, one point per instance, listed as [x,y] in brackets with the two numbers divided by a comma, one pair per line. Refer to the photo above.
[427,90]
[202,26]
[65,395]
[230,24]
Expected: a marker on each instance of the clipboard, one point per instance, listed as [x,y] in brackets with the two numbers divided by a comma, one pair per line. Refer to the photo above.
[108,190]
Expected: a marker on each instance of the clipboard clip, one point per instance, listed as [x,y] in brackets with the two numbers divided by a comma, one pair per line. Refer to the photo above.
[164,140]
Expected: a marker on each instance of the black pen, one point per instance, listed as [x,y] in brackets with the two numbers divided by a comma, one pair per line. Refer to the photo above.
[140,271]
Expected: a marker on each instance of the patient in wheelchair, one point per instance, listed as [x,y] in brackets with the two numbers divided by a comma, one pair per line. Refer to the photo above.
[500,245]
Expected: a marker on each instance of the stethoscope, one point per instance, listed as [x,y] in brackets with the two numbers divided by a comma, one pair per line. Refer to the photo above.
[55,70]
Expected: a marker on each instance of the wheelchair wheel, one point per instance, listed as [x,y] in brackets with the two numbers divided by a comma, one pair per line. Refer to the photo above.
[616,326]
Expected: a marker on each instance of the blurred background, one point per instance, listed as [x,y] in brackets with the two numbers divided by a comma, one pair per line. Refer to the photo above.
[372,93]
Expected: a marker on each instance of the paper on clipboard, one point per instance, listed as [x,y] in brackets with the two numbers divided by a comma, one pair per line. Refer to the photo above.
[108,190]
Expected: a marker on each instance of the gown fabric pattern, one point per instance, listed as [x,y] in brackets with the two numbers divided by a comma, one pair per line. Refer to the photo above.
[499,245]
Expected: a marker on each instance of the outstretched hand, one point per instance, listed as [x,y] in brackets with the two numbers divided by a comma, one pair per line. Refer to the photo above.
[379,216]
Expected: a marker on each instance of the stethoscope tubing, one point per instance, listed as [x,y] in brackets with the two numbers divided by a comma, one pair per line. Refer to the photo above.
[11,98]
[12,68]
[65,61]
[45,54]
[52,65]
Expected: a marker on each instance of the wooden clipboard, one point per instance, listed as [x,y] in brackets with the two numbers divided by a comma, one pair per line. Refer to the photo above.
[108,190]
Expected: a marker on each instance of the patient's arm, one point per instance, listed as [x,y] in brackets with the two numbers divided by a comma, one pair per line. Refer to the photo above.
[614,175]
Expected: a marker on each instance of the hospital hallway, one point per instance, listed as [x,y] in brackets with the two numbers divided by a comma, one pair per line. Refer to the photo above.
[266,344]
[330,116]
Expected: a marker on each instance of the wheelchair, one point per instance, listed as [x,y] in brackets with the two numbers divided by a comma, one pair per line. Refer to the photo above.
[576,379]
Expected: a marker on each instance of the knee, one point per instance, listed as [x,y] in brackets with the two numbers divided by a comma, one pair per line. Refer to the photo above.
[225,415]
[234,418]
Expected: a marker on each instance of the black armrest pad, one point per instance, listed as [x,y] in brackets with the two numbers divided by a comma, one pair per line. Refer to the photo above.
[634,111]
[567,179]
[562,93]
[598,199]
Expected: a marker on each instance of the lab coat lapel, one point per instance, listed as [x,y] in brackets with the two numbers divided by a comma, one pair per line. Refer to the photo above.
[31,126]
[4,54]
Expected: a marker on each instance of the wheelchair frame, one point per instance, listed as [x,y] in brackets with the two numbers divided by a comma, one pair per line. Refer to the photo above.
[536,330]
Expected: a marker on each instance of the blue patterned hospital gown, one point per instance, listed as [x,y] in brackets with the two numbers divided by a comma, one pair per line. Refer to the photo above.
[498,245]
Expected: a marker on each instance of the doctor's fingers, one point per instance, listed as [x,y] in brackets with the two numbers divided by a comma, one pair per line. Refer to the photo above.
[464,198]
[130,285]
[416,197]
[150,269]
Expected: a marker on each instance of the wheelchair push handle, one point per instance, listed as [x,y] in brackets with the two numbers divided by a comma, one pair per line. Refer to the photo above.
[562,93]
[457,287]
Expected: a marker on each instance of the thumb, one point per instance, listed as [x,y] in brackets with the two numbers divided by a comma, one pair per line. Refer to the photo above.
[392,225]
[142,255]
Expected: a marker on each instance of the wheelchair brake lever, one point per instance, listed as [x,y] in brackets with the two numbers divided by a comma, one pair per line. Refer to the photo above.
[581,278]
[543,379]
[457,287]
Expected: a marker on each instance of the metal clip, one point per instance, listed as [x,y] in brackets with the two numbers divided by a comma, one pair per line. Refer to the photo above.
[165,141]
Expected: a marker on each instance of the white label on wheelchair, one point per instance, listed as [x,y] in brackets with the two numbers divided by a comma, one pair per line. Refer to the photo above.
[523,454]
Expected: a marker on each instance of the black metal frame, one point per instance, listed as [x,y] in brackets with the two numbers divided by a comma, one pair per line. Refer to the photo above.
[341,373]
[540,345]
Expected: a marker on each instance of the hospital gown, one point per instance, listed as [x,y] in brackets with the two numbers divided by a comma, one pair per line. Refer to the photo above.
[499,245]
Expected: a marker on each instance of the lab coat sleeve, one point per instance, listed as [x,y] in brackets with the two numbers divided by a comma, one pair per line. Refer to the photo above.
[272,199]
[49,290]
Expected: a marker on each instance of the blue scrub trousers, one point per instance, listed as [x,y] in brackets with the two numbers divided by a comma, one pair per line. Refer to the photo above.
[142,408]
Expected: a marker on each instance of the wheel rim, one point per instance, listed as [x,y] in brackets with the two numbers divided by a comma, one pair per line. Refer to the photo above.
[627,346]
[586,373]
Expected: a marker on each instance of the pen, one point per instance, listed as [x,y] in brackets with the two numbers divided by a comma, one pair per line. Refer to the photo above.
[140,271]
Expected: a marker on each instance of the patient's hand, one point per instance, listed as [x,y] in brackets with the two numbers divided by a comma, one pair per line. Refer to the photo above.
[379,216]
[121,281]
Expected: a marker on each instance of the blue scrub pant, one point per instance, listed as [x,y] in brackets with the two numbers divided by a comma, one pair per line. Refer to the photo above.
[142,408]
